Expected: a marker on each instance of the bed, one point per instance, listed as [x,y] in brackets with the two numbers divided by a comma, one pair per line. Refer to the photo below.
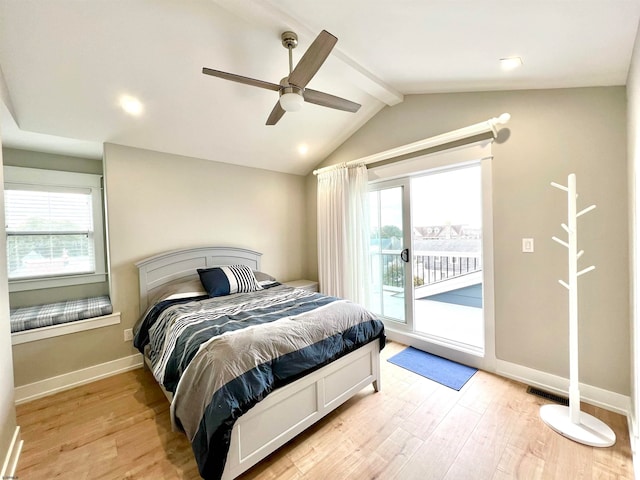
[296,378]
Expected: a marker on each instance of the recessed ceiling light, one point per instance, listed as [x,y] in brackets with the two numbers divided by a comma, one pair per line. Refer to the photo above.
[303,149]
[510,63]
[131,105]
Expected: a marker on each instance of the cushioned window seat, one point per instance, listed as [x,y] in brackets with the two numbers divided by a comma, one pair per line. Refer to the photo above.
[38,316]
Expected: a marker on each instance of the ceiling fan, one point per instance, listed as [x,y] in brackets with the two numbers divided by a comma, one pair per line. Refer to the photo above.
[292,88]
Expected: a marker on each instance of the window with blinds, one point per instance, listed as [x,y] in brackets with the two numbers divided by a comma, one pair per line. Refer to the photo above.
[49,233]
[54,228]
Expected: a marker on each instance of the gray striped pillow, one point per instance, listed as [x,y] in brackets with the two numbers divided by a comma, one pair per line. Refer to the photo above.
[219,281]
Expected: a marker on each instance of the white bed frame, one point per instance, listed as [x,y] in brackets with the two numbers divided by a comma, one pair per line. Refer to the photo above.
[289,410]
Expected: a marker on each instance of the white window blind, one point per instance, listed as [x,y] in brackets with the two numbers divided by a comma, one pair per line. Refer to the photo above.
[54,228]
[49,233]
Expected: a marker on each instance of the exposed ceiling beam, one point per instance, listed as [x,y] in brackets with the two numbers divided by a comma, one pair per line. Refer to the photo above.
[268,13]
[5,97]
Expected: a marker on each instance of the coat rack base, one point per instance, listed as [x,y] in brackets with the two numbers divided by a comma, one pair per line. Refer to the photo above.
[590,431]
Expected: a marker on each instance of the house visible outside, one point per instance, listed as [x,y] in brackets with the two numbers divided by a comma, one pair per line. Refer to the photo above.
[440,253]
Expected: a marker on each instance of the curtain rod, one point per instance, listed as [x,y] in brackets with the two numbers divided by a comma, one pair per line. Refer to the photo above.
[452,136]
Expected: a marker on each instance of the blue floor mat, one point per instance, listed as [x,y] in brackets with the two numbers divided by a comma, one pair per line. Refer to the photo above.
[451,374]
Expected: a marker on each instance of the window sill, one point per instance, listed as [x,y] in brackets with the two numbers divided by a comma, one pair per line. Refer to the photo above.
[61,281]
[64,328]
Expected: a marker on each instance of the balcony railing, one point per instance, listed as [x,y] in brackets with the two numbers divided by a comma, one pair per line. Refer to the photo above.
[428,267]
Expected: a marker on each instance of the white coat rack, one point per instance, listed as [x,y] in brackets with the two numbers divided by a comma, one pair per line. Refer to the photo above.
[570,421]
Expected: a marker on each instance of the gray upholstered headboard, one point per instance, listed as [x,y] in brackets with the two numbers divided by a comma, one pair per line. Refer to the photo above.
[166,267]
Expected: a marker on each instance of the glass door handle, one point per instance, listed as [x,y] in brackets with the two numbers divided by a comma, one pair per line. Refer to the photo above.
[404,255]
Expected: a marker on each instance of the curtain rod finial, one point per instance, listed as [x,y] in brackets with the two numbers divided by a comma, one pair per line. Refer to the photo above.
[501,120]
[504,118]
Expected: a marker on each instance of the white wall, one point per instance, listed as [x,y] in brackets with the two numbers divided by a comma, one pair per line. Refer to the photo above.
[7,407]
[633,139]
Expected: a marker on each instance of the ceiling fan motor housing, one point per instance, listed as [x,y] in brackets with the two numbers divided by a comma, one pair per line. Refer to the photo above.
[289,40]
[286,87]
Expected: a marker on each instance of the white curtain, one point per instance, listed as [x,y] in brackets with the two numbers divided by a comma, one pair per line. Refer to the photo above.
[343,233]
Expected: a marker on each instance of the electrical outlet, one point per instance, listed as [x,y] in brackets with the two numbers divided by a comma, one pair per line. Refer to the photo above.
[527,245]
[128,334]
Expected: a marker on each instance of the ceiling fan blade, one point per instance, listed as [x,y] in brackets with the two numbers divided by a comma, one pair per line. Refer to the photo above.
[240,79]
[331,101]
[275,115]
[312,59]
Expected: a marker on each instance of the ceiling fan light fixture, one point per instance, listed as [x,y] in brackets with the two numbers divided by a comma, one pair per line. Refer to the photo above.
[291,102]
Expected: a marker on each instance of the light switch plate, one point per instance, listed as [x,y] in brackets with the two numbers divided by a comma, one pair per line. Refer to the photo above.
[527,245]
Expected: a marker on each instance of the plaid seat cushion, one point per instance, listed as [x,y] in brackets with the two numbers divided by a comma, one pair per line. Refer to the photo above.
[27,318]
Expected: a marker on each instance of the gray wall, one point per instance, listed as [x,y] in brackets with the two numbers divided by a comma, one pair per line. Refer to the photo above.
[50,357]
[51,161]
[158,202]
[552,133]
[48,161]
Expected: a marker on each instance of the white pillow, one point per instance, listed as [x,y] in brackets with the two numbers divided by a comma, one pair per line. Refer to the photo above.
[182,288]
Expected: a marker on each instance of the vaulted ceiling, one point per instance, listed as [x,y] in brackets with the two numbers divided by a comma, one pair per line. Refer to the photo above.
[66,64]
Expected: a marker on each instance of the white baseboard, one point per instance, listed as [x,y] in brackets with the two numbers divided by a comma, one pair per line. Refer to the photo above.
[598,397]
[49,386]
[10,464]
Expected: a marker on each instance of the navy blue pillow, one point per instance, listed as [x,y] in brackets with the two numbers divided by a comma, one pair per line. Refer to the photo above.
[219,281]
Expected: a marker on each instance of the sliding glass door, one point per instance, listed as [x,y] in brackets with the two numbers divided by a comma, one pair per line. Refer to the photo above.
[389,252]
[426,255]
[447,253]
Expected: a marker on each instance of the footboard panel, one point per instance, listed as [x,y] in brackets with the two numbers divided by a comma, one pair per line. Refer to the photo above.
[290,410]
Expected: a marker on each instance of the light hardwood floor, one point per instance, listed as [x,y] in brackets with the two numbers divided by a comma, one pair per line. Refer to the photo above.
[119,428]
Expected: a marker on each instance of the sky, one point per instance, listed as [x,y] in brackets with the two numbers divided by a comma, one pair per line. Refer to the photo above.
[448,197]
[438,199]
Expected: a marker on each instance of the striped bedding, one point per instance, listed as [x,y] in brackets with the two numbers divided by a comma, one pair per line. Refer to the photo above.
[220,356]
